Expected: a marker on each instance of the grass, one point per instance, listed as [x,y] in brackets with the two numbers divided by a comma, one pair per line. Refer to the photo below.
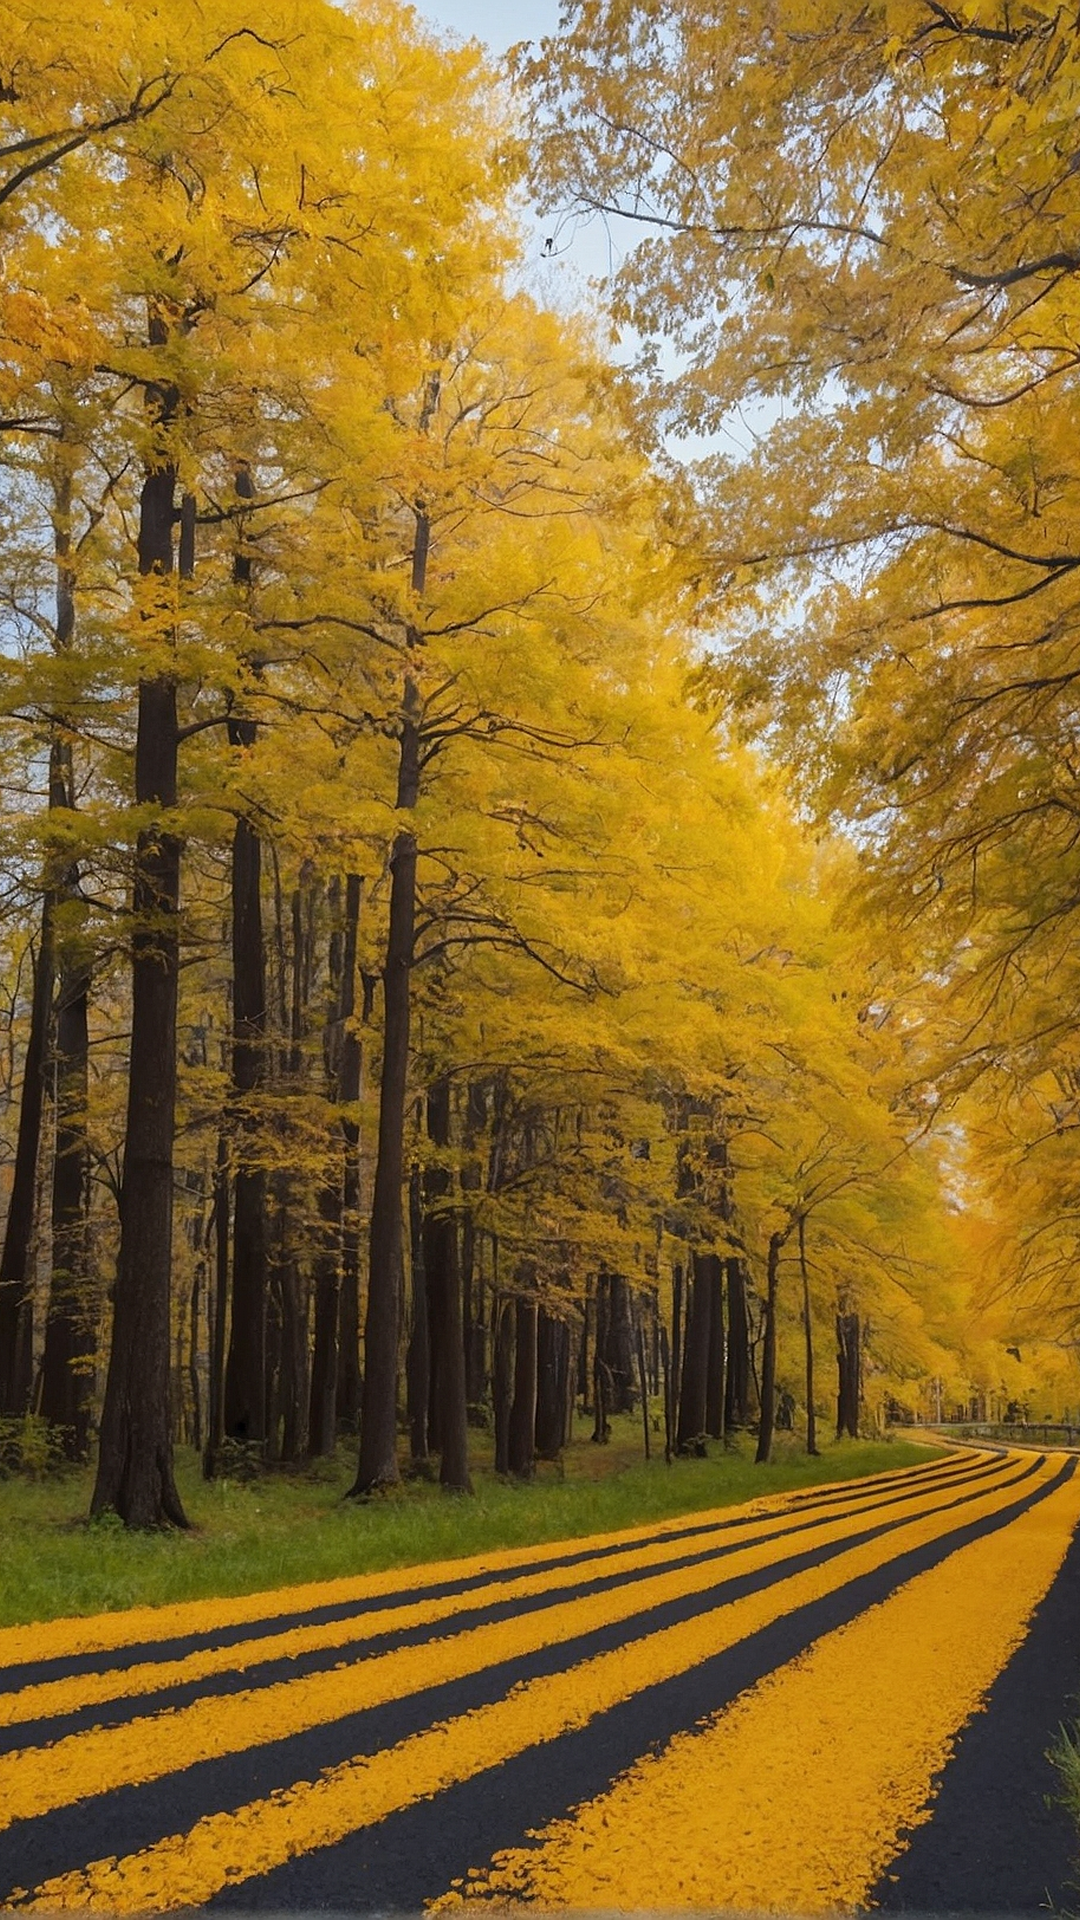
[280,1530]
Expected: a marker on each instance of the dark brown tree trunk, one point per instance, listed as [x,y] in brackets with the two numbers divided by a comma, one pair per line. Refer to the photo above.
[693,1396]
[472,1278]
[552,1357]
[294,1394]
[135,1459]
[70,1326]
[618,1349]
[322,1411]
[768,1353]
[66,1367]
[848,1364]
[601,1432]
[643,1375]
[16,1265]
[677,1316]
[245,1373]
[737,1385]
[713,1275]
[502,1383]
[808,1329]
[418,1353]
[669,1410]
[522,1438]
[349,1079]
[378,1464]
[443,1270]
[218,1327]
[583,1374]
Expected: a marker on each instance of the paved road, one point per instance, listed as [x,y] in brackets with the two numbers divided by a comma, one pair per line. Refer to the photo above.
[838,1699]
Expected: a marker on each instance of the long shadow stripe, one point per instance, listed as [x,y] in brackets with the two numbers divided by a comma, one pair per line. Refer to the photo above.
[130,1818]
[415,1854]
[125,1709]
[1001,1841]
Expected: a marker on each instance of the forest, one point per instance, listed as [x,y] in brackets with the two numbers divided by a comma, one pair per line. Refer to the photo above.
[513,906]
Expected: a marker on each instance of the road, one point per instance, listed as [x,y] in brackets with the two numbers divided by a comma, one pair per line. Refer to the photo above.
[835,1699]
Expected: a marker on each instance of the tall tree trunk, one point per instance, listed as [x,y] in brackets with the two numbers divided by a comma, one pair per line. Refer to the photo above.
[678,1310]
[472,1277]
[378,1465]
[848,1365]
[292,1289]
[322,1414]
[619,1346]
[16,1259]
[502,1383]
[349,1078]
[418,1354]
[246,1411]
[552,1355]
[768,1353]
[215,1412]
[245,1373]
[443,1269]
[197,1279]
[693,1396]
[737,1384]
[583,1374]
[135,1461]
[70,1325]
[808,1329]
[523,1410]
[713,1267]
[643,1375]
[601,1432]
[66,1367]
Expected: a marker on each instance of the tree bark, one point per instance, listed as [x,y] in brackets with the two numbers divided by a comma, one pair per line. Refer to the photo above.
[848,1364]
[522,1436]
[737,1384]
[378,1464]
[66,1367]
[713,1274]
[135,1460]
[16,1267]
[502,1384]
[601,1432]
[472,1277]
[70,1325]
[443,1270]
[643,1373]
[322,1409]
[768,1354]
[552,1360]
[808,1328]
[693,1396]
[245,1373]
[418,1354]
[349,1080]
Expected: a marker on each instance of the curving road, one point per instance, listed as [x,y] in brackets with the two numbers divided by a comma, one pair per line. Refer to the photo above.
[836,1699]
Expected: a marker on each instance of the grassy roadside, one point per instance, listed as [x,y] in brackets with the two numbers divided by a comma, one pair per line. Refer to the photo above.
[277,1530]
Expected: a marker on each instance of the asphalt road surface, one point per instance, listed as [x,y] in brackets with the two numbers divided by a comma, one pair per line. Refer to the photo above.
[839,1699]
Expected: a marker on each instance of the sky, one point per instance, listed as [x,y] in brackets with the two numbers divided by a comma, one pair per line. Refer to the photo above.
[589,250]
[495,22]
